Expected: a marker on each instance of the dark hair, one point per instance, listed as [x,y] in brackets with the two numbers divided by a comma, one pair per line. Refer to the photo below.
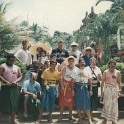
[44,52]
[25,41]
[10,56]
[51,62]
[53,54]
[112,61]
[80,59]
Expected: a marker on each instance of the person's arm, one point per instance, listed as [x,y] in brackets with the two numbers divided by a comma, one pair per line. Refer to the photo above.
[59,68]
[1,75]
[19,77]
[62,77]
[90,84]
[66,54]
[119,81]
[102,83]
[72,85]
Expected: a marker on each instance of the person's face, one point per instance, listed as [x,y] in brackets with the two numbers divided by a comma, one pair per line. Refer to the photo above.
[60,44]
[88,51]
[10,61]
[53,65]
[53,58]
[112,65]
[74,47]
[82,63]
[25,45]
[43,54]
[33,77]
[93,62]
[71,62]
[39,49]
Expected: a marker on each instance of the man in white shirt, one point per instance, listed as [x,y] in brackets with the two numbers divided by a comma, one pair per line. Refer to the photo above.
[24,56]
[74,50]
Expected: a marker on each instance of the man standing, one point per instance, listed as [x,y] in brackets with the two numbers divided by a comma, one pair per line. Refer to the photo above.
[31,89]
[10,75]
[50,79]
[88,52]
[111,82]
[24,56]
[66,96]
[60,52]
[74,50]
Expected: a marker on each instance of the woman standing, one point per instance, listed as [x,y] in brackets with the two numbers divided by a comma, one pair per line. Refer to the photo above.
[82,95]
[96,76]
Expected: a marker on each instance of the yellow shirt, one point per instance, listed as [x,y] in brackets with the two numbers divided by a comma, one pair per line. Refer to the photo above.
[50,77]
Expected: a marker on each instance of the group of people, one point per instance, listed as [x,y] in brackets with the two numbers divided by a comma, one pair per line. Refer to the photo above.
[71,76]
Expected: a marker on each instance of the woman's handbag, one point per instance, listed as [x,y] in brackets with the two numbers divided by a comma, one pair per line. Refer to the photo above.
[98,82]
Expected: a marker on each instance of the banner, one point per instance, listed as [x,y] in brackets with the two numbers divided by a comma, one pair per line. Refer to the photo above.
[118,39]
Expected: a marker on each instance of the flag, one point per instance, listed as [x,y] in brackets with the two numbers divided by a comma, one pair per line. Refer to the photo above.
[118,39]
[99,51]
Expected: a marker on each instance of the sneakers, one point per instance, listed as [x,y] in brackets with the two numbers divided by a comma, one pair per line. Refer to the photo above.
[25,114]
[71,118]
[60,119]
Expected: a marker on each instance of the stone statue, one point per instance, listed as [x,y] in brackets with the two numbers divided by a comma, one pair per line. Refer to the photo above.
[85,21]
[92,14]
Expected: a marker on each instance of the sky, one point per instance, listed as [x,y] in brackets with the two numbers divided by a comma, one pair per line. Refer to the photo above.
[57,15]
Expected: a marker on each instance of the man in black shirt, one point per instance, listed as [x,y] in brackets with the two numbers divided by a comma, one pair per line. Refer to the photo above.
[60,52]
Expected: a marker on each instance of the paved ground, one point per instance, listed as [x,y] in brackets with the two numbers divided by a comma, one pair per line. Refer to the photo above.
[29,120]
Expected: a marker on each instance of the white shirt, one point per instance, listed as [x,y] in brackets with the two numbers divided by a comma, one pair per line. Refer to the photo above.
[81,79]
[77,53]
[43,59]
[24,56]
[96,71]
[69,73]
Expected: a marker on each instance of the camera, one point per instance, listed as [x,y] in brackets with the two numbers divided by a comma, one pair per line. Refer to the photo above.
[94,78]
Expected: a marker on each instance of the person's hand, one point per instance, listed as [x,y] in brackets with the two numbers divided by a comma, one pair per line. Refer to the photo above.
[34,96]
[14,83]
[91,93]
[102,93]
[8,83]
[119,94]
[73,93]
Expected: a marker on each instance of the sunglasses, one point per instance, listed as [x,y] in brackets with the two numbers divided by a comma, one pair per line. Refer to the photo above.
[88,50]
[74,46]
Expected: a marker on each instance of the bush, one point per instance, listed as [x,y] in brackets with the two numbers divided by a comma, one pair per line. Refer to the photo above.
[18,63]
[119,66]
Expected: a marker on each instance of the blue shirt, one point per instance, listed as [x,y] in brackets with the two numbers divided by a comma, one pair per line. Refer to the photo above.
[31,87]
[87,60]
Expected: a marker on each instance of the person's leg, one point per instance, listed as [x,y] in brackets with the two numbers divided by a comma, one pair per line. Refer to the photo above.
[61,112]
[25,104]
[79,115]
[71,118]
[89,116]
[40,115]
[26,97]
[50,117]
[1,116]
[13,119]
[104,121]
